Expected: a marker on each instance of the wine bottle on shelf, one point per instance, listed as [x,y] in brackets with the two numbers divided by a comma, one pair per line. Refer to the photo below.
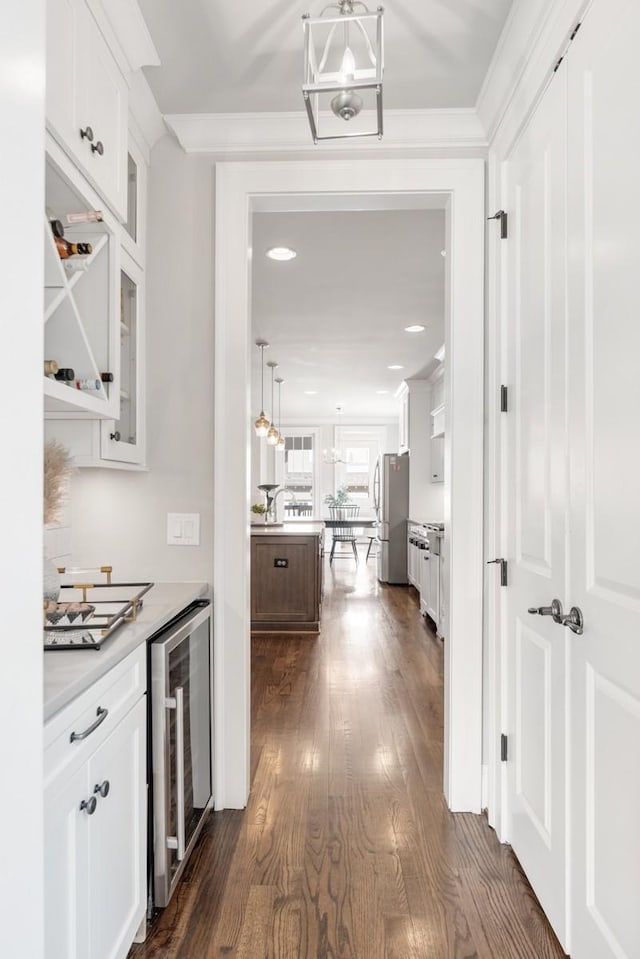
[88,384]
[50,367]
[106,377]
[75,264]
[89,216]
[66,249]
[57,228]
[65,374]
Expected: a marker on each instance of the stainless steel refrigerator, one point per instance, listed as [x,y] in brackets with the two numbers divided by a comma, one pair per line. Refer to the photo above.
[391,499]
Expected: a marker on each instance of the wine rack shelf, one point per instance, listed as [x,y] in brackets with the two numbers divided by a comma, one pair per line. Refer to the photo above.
[81,296]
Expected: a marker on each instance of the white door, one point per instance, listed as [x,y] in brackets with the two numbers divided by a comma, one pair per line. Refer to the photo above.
[536,645]
[604,339]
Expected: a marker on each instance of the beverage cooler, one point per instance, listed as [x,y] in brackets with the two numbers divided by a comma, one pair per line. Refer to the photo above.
[181,754]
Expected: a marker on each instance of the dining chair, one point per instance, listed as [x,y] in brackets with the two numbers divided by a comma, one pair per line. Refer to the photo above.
[343,534]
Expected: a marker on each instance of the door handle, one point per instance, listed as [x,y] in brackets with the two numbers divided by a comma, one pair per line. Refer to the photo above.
[574,620]
[555,611]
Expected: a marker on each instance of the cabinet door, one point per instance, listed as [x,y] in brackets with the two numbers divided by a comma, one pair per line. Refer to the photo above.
[66,828]
[123,440]
[101,103]
[434,587]
[117,839]
[62,45]
[437,459]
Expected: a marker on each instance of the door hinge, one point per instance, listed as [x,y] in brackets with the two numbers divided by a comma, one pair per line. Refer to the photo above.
[502,216]
[504,399]
[504,751]
[503,570]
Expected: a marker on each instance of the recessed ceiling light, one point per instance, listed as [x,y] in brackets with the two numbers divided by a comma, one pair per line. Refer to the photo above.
[310,392]
[281,253]
[414,329]
[381,392]
[395,367]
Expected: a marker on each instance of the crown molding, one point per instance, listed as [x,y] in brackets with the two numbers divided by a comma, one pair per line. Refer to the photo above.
[124,28]
[224,134]
[536,34]
[145,119]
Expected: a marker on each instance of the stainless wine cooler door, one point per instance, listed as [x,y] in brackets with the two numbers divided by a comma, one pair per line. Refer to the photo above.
[181,707]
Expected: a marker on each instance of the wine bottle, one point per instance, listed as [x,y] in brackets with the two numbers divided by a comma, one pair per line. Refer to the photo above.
[66,249]
[57,228]
[66,374]
[106,377]
[89,216]
[88,384]
[50,367]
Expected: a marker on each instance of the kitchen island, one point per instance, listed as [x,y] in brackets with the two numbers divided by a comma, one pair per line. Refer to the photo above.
[286,576]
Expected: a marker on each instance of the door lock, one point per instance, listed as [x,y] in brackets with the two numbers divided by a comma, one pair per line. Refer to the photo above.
[555,611]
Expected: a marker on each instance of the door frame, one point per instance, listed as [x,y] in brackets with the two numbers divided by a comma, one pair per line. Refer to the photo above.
[243,188]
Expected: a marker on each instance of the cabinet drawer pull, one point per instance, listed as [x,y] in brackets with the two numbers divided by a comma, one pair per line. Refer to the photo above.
[89,804]
[102,788]
[101,714]
[97,148]
[87,134]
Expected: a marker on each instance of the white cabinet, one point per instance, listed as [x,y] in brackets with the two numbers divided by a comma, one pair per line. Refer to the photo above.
[87,100]
[437,417]
[81,326]
[117,443]
[403,419]
[95,818]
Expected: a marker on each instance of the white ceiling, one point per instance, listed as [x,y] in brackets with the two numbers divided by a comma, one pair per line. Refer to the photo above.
[335,315]
[238,57]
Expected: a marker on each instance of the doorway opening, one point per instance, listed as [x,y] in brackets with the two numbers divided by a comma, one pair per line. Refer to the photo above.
[241,190]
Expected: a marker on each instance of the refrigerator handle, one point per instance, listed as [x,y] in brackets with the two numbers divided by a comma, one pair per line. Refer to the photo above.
[376,488]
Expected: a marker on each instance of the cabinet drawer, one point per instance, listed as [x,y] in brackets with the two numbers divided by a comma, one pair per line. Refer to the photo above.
[115,692]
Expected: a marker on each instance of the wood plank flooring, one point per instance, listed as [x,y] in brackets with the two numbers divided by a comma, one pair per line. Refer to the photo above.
[346,849]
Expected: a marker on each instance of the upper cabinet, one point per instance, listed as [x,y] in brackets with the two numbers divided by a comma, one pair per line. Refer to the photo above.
[87,100]
[81,332]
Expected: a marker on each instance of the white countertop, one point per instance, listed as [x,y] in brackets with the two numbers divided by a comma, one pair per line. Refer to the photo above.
[296,528]
[68,672]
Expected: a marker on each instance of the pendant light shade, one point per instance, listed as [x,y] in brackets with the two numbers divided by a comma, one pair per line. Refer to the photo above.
[280,445]
[272,432]
[261,425]
[343,66]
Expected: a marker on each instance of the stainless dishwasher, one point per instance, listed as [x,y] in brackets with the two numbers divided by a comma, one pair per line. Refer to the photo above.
[181,735]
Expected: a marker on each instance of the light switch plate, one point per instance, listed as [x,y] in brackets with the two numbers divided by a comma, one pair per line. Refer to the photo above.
[183,529]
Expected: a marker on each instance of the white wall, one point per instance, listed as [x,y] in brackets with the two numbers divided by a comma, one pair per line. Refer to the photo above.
[22,204]
[120,517]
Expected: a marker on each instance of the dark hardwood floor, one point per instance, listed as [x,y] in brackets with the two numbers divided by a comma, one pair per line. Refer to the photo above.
[346,849]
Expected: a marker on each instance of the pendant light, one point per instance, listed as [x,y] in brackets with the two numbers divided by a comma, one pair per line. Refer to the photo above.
[343,67]
[272,433]
[262,423]
[280,445]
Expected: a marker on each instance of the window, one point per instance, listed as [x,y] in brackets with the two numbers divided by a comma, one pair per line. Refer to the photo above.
[296,469]
[358,471]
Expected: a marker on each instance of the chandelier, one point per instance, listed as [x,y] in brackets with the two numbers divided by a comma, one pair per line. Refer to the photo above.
[343,65]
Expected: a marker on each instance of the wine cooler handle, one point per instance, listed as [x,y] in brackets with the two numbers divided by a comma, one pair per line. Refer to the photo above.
[180,771]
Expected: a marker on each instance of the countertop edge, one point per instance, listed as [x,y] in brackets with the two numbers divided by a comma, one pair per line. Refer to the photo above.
[68,673]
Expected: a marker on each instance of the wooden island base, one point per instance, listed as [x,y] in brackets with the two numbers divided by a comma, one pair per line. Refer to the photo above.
[286,578]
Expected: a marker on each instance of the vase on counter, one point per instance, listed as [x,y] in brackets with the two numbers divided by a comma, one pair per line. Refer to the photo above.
[50,581]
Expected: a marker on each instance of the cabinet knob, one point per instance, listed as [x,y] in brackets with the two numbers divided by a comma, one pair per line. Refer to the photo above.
[102,788]
[87,134]
[115,436]
[97,148]
[89,804]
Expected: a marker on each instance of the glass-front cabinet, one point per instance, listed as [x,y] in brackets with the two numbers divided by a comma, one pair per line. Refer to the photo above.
[123,439]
